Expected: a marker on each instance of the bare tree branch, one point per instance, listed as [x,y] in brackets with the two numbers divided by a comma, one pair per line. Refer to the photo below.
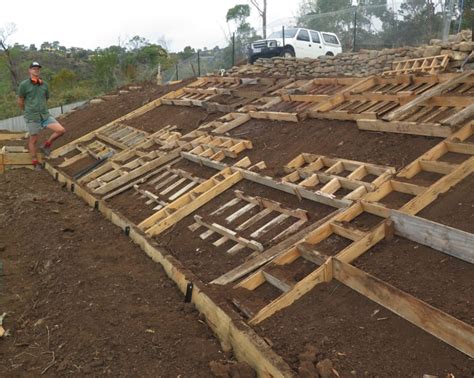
[5,33]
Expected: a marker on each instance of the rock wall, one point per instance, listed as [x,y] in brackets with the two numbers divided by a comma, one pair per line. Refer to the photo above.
[363,62]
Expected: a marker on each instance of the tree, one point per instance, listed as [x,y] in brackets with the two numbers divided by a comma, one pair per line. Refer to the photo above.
[63,80]
[238,14]
[137,42]
[262,11]
[244,33]
[6,32]
[105,62]
[187,53]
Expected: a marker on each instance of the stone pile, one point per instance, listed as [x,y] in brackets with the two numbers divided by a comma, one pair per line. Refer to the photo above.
[363,62]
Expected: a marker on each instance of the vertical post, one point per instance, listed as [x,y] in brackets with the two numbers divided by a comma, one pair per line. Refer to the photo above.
[177,75]
[199,63]
[355,30]
[283,35]
[62,111]
[233,49]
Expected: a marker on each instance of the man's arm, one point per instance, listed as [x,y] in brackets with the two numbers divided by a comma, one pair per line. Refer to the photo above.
[21,96]
[21,102]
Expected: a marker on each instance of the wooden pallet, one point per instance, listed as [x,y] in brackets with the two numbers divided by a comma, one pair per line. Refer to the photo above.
[332,175]
[189,202]
[225,123]
[248,214]
[430,65]
[371,98]
[432,162]
[213,147]
[153,151]
[12,136]
[448,104]
[165,186]
[13,157]
[293,102]
[205,93]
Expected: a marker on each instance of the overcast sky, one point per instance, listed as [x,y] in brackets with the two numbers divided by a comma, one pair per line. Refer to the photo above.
[101,23]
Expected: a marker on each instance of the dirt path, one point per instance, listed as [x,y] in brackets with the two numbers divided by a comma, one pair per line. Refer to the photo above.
[81,298]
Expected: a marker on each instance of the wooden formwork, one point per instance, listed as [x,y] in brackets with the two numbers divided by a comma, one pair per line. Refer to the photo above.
[13,157]
[303,244]
[206,90]
[292,102]
[233,334]
[447,328]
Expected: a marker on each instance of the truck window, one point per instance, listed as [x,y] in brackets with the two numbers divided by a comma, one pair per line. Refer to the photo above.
[328,38]
[315,37]
[303,35]
[289,33]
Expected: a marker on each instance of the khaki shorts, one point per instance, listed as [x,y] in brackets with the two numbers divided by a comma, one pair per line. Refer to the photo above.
[34,127]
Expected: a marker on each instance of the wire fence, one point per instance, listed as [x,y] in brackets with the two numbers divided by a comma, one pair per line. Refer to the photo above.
[395,23]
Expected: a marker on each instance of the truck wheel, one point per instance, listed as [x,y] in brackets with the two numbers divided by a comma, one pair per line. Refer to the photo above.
[329,53]
[288,52]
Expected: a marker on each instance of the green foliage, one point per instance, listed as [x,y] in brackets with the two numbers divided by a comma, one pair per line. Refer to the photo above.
[238,13]
[105,62]
[63,80]
[378,25]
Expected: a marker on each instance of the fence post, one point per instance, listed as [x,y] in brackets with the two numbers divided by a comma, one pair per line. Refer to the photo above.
[177,75]
[283,35]
[62,111]
[233,49]
[199,63]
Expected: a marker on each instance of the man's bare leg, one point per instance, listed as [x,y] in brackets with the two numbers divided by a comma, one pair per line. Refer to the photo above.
[58,130]
[32,148]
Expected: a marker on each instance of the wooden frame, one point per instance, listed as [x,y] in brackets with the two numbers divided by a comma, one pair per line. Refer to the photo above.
[242,220]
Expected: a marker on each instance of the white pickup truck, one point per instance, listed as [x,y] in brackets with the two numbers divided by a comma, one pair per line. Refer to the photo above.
[297,42]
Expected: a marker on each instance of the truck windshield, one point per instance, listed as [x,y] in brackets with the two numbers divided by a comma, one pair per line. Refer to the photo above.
[289,33]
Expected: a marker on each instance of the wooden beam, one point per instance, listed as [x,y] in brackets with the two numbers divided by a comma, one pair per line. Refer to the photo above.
[401,127]
[443,238]
[441,325]
[12,136]
[272,252]
[320,275]
[229,234]
[441,186]
[274,116]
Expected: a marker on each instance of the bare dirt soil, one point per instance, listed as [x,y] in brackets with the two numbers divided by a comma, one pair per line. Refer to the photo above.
[185,118]
[208,261]
[277,143]
[455,208]
[81,298]
[429,275]
[333,321]
[91,116]
[360,337]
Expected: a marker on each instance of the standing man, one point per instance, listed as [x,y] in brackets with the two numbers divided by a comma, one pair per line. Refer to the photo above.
[33,94]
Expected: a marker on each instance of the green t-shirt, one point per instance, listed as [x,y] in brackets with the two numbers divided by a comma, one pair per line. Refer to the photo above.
[36,96]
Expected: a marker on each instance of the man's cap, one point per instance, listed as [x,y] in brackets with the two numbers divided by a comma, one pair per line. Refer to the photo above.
[35,64]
